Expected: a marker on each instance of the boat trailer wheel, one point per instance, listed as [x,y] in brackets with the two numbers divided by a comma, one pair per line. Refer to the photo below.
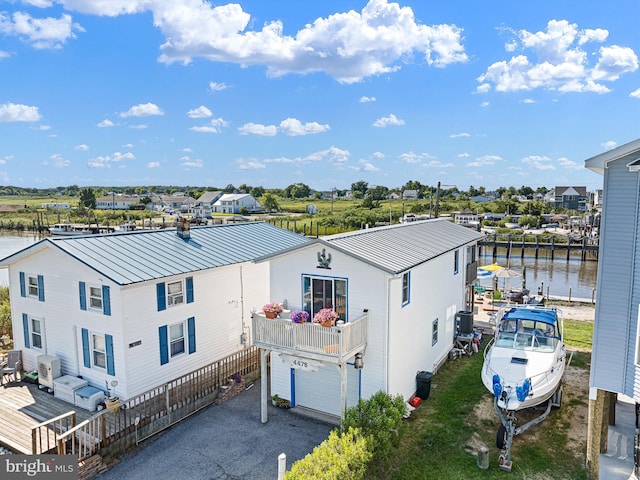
[501,437]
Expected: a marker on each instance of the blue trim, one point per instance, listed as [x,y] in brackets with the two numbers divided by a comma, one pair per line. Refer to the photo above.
[106,300]
[162,297]
[23,288]
[191,330]
[164,344]
[292,387]
[83,295]
[40,288]
[108,340]
[25,329]
[86,354]
[189,283]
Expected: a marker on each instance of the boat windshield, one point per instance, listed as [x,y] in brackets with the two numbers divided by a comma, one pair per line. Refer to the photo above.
[527,335]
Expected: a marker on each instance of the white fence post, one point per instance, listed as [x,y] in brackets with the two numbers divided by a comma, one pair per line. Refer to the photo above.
[282,465]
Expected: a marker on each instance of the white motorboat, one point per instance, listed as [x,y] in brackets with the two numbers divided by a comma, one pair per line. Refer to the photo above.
[69,229]
[523,367]
[126,227]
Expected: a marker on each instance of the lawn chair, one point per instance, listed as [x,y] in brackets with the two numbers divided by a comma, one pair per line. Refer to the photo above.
[479,289]
[13,366]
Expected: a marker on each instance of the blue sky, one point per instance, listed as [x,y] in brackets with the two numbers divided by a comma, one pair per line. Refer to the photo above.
[323,92]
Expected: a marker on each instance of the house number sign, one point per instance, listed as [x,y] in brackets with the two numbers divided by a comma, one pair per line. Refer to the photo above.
[301,363]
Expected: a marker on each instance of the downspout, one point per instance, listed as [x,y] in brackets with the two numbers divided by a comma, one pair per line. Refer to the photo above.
[387,335]
[244,338]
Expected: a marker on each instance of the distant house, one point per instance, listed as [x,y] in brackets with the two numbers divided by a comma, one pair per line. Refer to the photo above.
[571,198]
[615,357]
[141,307]
[61,206]
[116,202]
[409,194]
[397,289]
[394,196]
[204,205]
[466,217]
[234,203]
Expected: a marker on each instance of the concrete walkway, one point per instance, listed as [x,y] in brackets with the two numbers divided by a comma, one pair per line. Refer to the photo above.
[226,441]
[617,463]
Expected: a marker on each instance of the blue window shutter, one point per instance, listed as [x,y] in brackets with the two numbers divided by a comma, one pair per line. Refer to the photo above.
[191,330]
[108,341]
[162,297]
[189,289]
[25,328]
[41,288]
[23,289]
[106,300]
[83,296]
[164,344]
[86,354]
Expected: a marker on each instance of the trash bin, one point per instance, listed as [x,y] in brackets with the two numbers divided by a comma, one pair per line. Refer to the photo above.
[423,381]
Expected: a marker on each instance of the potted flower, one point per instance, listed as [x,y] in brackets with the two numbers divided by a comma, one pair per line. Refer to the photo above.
[272,310]
[299,316]
[280,402]
[326,317]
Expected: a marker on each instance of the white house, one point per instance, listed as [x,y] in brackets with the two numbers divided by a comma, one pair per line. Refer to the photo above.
[116,202]
[141,307]
[398,290]
[204,204]
[234,203]
[615,357]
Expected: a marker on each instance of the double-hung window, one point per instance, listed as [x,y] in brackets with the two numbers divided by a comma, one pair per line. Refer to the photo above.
[33,286]
[175,293]
[98,346]
[176,339]
[97,351]
[324,292]
[95,297]
[33,330]
[406,288]
[36,333]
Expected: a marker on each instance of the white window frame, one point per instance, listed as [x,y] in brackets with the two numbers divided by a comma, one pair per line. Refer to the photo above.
[95,298]
[434,332]
[33,290]
[406,288]
[33,334]
[181,339]
[96,352]
[456,261]
[176,298]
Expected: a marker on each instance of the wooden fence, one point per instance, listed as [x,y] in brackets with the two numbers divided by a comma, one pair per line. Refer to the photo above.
[119,427]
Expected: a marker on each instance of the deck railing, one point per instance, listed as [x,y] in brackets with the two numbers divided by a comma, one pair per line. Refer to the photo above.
[44,436]
[335,344]
[119,427]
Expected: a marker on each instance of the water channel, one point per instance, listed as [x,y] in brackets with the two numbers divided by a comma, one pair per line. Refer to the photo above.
[557,276]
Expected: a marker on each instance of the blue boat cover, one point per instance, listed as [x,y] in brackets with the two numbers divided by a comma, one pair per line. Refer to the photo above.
[546,316]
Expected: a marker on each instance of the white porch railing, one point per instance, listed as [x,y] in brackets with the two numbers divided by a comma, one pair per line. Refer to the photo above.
[335,344]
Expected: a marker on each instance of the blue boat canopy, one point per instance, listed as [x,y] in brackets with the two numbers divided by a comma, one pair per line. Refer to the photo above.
[546,316]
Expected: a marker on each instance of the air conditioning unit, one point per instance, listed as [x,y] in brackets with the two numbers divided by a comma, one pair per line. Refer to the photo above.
[48,370]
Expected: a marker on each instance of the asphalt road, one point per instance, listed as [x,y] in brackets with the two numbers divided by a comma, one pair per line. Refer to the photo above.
[226,441]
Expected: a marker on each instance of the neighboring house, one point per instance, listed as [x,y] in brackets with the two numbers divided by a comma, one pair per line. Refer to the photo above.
[615,357]
[394,196]
[571,198]
[409,194]
[142,307]
[398,290]
[116,202]
[466,217]
[234,203]
[204,204]
[61,206]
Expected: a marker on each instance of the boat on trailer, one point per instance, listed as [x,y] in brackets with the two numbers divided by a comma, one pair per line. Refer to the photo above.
[523,368]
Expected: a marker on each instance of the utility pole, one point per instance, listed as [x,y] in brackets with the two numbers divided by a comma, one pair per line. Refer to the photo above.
[436,213]
[332,195]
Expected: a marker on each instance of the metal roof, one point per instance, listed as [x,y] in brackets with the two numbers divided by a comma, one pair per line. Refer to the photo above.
[132,257]
[398,248]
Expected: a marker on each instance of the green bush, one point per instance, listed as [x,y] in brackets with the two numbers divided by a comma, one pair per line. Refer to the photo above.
[342,456]
[379,419]
[5,312]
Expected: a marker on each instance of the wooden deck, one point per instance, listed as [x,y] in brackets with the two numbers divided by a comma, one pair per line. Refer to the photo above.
[22,407]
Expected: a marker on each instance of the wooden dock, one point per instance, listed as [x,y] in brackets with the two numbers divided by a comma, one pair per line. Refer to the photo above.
[22,407]
[587,248]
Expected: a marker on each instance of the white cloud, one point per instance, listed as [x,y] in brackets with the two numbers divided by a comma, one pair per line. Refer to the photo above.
[107,160]
[570,164]
[367,99]
[82,147]
[391,120]
[555,59]
[217,87]
[250,164]
[128,145]
[437,164]
[139,126]
[258,129]
[143,110]
[215,126]
[105,123]
[294,127]
[538,162]
[153,164]
[460,135]
[188,163]
[635,93]
[377,155]
[42,128]
[200,112]
[41,33]
[415,158]
[463,155]
[347,46]
[527,100]
[484,104]
[484,160]
[12,112]
[6,158]
[609,145]
[332,155]
[366,166]
[4,54]
[58,161]
[187,150]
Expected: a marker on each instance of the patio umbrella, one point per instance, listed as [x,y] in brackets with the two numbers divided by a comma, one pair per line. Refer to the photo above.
[494,267]
[506,273]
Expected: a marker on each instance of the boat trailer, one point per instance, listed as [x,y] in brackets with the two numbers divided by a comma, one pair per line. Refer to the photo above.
[508,429]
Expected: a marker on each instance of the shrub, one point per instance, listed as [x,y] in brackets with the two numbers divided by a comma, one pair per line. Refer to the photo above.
[379,419]
[342,456]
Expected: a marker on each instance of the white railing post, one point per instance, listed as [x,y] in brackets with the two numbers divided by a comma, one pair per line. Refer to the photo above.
[282,465]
